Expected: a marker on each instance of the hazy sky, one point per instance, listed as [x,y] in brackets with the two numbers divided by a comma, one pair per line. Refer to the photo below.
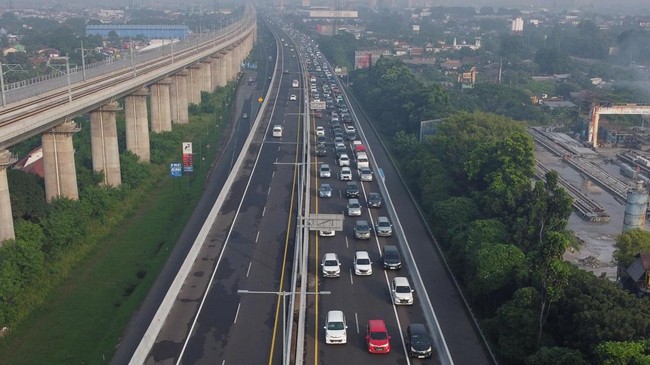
[632,7]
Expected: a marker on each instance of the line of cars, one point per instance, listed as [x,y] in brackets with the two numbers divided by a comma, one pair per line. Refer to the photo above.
[344,132]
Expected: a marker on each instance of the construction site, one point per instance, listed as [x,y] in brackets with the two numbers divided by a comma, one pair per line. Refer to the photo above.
[608,180]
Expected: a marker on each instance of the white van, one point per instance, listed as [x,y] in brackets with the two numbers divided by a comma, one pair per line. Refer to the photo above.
[335,328]
[362,160]
[277,131]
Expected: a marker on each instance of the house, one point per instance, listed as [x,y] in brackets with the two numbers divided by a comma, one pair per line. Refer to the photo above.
[639,272]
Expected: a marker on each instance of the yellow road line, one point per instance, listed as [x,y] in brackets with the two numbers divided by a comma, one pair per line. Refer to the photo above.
[286,244]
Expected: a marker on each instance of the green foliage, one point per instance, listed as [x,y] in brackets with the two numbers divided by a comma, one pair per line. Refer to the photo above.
[623,353]
[496,266]
[133,171]
[27,195]
[452,216]
[64,225]
[552,61]
[629,244]
[592,311]
[514,328]
[556,356]
[339,49]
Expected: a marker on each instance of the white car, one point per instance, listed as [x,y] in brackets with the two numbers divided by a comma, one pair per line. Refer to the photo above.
[277,131]
[320,131]
[350,129]
[331,265]
[344,160]
[293,97]
[346,174]
[335,328]
[326,233]
[401,291]
[362,263]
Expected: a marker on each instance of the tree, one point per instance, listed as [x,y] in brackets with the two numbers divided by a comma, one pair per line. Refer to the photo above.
[495,266]
[629,244]
[514,327]
[27,195]
[552,61]
[623,353]
[556,356]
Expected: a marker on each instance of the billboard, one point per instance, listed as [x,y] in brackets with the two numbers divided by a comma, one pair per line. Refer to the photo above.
[187,157]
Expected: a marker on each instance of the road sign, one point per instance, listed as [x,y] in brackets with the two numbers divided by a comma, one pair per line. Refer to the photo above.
[260,99]
[176,169]
[317,105]
[318,222]
[187,157]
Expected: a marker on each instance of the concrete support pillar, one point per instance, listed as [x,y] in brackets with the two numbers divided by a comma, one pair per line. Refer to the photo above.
[223,70]
[215,69]
[161,114]
[178,98]
[103,138]
[194,84]
[60,173]
[6,218]
[234,63]
[137,125]
[206,79]
[228,62]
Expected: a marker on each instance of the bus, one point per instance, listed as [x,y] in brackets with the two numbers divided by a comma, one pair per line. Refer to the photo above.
[295,83]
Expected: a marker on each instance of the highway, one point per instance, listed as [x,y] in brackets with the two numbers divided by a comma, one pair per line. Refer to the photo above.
[229,309]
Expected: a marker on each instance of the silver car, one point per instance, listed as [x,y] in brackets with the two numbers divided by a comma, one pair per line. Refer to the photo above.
[365,174]
[354,208]
[361,230]
[324,171]
[384,228]
[325,191]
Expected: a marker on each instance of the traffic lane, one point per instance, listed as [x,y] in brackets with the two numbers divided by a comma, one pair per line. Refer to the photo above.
[254,207]
[360,298]
[461,337]
[170,340]
[256,315]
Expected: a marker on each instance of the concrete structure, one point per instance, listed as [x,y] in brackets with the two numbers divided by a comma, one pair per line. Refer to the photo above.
[223,70]
[596,111]
[635,208]
[178,98]
[206,79]
[137,126]
[173,78]
[103,138]
[7,222]
[194,85]
[215,70]
[161,115]
[58,162]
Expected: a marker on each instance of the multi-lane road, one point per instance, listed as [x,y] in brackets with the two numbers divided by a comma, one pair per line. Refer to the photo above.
[229,306]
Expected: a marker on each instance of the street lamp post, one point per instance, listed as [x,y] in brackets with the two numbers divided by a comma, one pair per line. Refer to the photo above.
[284,294]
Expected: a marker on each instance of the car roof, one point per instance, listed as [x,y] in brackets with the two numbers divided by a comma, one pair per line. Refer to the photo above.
[377,325]
[361,222]
[382,219]
[335,316]
[390,248]
[353,200]
[330,256]
[362,255]
[418,328]
[323,165]
[401,281]
[345,168]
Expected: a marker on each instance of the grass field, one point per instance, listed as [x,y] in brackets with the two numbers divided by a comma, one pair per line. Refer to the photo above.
[85,317]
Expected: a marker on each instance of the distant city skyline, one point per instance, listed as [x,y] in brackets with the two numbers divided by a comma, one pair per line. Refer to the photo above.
[628,7]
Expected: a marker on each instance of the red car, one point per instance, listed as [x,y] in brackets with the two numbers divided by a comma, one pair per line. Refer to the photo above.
[377,337]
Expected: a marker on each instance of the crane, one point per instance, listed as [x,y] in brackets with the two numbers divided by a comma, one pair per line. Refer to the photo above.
[597,110]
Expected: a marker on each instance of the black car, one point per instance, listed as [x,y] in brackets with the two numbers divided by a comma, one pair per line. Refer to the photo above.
[418,341]
[392,258]
[351,136]
[352,189]
[374,200]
